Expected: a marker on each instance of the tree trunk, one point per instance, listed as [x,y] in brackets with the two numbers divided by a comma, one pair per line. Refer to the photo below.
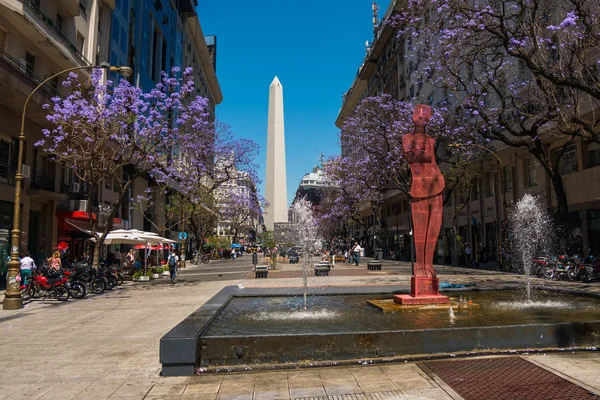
[96,257]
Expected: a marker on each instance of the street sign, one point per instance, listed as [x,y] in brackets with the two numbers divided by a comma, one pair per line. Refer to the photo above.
[182,235]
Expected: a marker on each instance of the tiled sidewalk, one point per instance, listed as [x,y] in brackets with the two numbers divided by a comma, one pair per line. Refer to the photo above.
[394,381]
[107,346]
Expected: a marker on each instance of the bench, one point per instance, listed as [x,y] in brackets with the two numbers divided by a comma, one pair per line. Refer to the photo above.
[374,266]
[261,271]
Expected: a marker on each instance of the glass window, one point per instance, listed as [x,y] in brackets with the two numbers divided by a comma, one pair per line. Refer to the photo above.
[29,64]
[531,168]
[568,162]
[474,190]
[490,184]
[594,157]
[508,185]
[59,22]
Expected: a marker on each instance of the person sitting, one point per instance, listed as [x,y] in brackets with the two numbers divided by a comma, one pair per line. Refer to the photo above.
[137,265]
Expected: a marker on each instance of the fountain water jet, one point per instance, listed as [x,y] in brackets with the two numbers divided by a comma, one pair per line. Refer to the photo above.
[530,229]
[306,236]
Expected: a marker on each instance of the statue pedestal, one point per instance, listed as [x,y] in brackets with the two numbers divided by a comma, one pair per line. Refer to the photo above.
[422,291]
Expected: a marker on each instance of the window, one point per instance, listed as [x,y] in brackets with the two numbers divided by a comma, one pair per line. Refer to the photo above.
[508,184]
[2,39]
[80,42]
[5,148]
[531,167]
[474,190]
[490,184]
[59,22]
[594,157]
[29,64]
[568,162]
[82,10]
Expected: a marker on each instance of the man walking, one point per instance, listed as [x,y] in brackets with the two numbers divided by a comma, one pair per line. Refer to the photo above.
[356,252]
[27,267]
[172,261]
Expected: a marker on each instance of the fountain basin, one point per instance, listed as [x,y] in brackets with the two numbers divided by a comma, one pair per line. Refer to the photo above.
[249,327]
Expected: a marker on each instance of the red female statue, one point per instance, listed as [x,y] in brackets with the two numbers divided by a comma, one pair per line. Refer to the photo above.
[427,208]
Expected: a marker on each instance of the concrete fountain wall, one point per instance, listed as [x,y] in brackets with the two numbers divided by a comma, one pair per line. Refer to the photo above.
[186,348]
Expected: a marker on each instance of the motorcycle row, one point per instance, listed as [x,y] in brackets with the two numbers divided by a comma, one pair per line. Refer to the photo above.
[567,268]
[74,281]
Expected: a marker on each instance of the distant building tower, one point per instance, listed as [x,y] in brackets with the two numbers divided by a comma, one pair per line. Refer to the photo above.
[276,186]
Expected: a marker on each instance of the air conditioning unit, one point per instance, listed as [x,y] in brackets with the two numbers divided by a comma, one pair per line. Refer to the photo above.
[75,187]
[26,171]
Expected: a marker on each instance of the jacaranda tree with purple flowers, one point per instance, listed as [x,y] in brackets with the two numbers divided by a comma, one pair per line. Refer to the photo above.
[525,72]
[372,165]
[103,130]
[240,208]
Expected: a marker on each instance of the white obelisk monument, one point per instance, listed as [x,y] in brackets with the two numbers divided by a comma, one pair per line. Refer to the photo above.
[276,186]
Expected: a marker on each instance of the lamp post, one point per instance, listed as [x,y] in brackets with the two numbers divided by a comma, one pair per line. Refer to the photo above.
[12,299]
[502,188]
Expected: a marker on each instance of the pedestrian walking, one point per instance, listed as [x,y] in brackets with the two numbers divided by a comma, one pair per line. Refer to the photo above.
[468,254]
[356,252]
[27,267]
[172,261]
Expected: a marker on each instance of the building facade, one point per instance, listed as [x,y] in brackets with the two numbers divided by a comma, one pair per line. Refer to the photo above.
[40,38]
[385,69]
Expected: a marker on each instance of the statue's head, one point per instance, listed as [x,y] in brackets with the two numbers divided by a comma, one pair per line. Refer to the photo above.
[421,114]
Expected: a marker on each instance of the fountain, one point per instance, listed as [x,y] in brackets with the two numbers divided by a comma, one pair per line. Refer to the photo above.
[306,236]
[531,229]
[246,328]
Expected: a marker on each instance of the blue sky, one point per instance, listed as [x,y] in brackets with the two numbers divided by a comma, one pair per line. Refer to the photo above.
[314,47]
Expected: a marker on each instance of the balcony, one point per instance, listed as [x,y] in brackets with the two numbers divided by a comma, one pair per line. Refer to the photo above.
[22,69]
[7,175]
[31,11]
[42,183]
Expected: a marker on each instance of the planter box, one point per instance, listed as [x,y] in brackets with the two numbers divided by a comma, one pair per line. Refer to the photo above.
[166,273]
[142,279]
[155,276]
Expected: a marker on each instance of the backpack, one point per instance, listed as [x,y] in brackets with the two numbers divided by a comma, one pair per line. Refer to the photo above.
[172,262]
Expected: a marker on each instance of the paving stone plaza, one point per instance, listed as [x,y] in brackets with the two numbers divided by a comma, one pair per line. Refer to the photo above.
[106,346]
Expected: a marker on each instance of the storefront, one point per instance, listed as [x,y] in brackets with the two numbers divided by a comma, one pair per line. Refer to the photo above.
[74,228]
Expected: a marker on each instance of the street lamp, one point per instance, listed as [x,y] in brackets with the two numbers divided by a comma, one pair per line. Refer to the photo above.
[502,188]
[12,299]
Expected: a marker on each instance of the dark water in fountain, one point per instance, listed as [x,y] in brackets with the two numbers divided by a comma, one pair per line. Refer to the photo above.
[350,313]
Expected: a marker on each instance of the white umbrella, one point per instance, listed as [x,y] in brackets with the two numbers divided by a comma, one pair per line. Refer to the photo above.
[116,238]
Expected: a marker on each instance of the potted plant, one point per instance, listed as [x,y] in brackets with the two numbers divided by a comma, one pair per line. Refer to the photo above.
[140,277]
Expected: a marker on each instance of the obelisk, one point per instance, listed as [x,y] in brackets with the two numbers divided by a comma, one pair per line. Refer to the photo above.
[276,186]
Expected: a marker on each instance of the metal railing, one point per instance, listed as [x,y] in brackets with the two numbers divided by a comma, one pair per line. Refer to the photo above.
[7,175]
[42,183]
[47,88]
[50,24]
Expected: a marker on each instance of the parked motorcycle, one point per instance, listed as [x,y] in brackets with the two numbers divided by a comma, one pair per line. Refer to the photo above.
[45,286]
[82,272]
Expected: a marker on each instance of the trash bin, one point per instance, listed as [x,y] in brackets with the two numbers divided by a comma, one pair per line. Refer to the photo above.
[378,254]
[254,258]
